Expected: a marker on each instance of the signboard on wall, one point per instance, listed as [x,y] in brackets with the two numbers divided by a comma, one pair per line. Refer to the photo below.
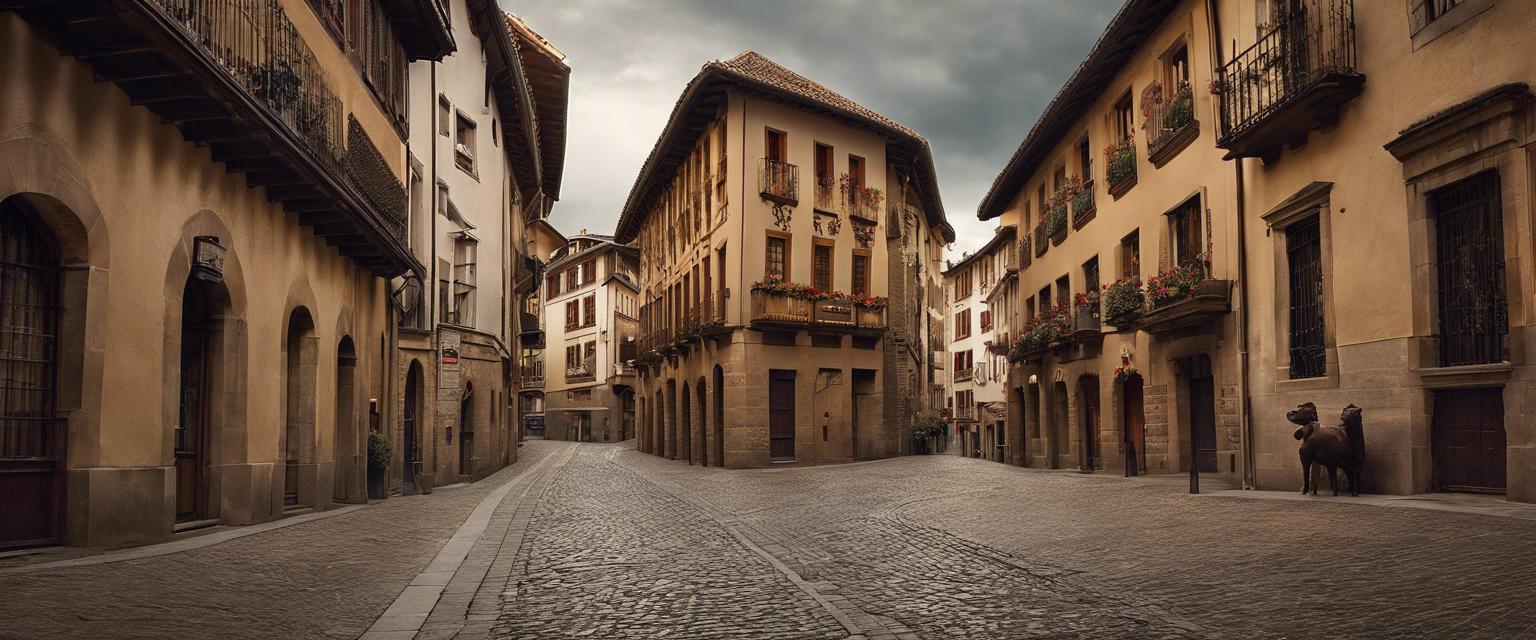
[448,360]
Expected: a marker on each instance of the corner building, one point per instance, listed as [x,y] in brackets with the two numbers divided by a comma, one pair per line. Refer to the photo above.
[763,186]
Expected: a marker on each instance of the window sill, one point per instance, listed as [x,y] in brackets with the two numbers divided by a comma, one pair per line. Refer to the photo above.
[1472,375]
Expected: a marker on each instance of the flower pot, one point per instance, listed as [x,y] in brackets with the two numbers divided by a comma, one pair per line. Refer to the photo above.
[378,483]
[1059,236]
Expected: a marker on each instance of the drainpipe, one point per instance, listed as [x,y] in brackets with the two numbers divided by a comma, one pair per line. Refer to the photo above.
[431,285]
[1244,404]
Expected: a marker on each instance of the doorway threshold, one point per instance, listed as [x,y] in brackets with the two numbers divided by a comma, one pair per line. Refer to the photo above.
[193,525]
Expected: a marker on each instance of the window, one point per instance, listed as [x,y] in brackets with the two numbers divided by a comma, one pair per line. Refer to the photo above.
[464,143]
[1084,160]
[1185,227]
[1091,276]
[860,274]
[1130,255]
[464,259]
[963,324]
[821,266]
[1176,68]
[986,321]
[1434,9]
[1029,308]
[964,360]
[1059,178]
[1063,292]
[1304,253]
[333,14]
[572,278]
[1045,298]
[826,182]
[855,173]
[1469,256]
[776,146]
[444,115]
[589,311]
[963,285]
[572,314]
[1124,122]
[777,257]
[589,272]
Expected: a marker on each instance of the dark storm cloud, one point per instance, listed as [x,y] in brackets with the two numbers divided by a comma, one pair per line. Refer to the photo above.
[971,76]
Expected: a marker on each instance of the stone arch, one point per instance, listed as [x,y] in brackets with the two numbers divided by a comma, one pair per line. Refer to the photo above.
[411,423]
[1090,422]
[701,390]
[349,484]
[685,428]
[297,441]
[226,336]
[718,423]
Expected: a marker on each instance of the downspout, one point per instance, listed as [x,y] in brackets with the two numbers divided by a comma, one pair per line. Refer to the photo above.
[431,285]
[741,250]
[1244,397]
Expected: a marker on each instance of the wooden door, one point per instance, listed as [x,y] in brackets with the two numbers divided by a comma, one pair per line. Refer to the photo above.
[32,436]
[1133,412]
[1202,421]
[1468,440]
[1088,396]
[781,415]
[466,430]
[191,428]
[410,455]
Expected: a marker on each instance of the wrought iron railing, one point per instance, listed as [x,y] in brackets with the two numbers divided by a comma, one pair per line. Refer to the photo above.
[962,375]
[826,194]
[1304,46]
[778,180]
[263,53]
[1026,251]
[776,308]
[1168,115]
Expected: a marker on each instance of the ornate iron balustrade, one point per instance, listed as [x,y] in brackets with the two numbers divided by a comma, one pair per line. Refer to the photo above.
[1169,115]
[779,181]
[776,309]
[963,375]
[1309,48]
[827,198]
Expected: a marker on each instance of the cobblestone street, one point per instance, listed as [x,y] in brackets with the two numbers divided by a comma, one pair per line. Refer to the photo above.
[599,541]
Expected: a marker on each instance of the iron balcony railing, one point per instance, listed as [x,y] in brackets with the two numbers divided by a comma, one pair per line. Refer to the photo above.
[962,375]
[772,308]
[826,194]
[532,375]
[779,181]
[580,373]
[1304,46]
[263,54]
[1026,251]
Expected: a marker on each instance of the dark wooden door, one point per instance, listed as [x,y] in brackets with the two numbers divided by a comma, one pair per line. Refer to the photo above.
[410,455]
[1133,412]
[1468,434]
[1202,421]
[32,437]
[191,428]
[466,431]
[1088,395]
[781,415]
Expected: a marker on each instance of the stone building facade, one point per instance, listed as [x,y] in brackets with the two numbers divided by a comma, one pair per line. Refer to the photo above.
[976,402]
[482,176]
[1363,219]
[199,244]
[741,363]
[591,315]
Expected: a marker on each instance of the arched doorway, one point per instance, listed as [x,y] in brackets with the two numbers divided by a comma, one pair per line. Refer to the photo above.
[1088,413]
[467,429]
[719,422]
[32,452]
[702,410]
[1133,419]
[1060,428]
[685,430]
[204,307]
[349,469]
[627,419]
[410,453]
[299,356]
[1034,414]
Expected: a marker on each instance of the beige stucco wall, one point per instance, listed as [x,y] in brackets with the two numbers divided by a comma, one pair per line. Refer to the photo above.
[1196,171]
[143,193]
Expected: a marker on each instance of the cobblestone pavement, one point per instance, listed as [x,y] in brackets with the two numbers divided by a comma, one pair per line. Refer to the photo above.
[326,578]
[602,542]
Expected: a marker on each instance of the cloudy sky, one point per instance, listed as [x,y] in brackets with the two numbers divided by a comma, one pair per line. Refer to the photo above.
[970,75]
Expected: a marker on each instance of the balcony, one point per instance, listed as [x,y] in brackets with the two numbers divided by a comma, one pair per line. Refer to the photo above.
[827,198]
[963,375]
[237,76]
[583,373]
[771,310]
[1083,207]
[1170,123]
[1085,323]
[864,203]
[531,376]
[1211,300]
[1294,79]
[1000,342]
[1120,167]
[778,182]
[531,334]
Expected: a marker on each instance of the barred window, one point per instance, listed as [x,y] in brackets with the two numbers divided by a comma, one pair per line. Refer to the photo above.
[1304,251]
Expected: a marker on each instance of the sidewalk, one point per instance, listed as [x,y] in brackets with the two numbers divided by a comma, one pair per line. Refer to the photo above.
[1454,502]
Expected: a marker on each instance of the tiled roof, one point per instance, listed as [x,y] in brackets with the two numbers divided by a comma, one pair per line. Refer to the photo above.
[752,70]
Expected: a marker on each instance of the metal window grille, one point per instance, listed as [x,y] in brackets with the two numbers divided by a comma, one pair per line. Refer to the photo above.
[29,320]
[1304,251]
[1469,239]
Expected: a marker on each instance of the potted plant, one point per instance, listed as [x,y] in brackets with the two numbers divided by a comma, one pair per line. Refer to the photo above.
[1056,221]
[1173,284]
[378,466]
[1122,300]
[1120,160]
[1182,109]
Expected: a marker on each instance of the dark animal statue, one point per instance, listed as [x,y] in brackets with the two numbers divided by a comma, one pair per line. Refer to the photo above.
[1341,447]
